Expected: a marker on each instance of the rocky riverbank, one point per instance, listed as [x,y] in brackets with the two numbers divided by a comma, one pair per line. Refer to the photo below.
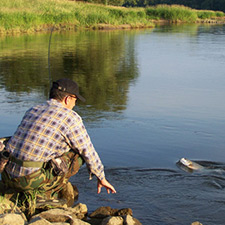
[60,211]
[63,215]
[63,212]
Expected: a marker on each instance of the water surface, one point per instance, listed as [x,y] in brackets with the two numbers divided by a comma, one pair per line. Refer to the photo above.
[153,96]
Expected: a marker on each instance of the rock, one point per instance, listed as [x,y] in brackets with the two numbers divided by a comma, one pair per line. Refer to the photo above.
[94,221]
[120,220]
[69,193]
[104,211]
[6,205]
[54,215]
[12,218]
[79,222]
[79,209]
[125,211]
[137,222]
[70,215]
[196,223]
[115,220]
[101,212]
[129,220]
[39,221]
[60,224]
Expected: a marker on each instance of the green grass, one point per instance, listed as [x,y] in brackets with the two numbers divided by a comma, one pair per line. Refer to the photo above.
[208,14]
[173,13]
[35,15]
[179,13]
[31,15]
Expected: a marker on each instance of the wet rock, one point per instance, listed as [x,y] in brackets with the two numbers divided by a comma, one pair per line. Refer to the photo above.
[196,223]
[94,221]
[129,220]
[124,212]
[101,212]
[105,211]
[115,220]
[107,215]
[12,218]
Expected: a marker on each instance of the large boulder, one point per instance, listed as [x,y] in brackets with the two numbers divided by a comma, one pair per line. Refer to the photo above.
[69,193]
[70,215]
[114,220]
[12,218]
[108,216]
[39,221]
[106,211]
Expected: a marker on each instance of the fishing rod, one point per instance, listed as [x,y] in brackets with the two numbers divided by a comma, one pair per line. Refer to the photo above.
[49,65]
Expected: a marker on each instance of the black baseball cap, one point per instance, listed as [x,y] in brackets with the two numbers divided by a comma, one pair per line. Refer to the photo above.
[68,86]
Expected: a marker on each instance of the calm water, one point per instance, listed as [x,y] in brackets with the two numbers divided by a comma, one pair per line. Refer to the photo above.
[153,96]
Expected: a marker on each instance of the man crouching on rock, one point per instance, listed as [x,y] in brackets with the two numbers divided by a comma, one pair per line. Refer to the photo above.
[50,145]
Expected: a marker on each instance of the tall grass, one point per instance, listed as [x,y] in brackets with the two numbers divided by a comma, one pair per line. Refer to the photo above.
[32,15]
[208,14]
[178,13]
[29,15]
[173,13]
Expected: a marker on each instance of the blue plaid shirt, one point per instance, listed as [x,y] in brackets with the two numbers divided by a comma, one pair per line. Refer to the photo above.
[48,131]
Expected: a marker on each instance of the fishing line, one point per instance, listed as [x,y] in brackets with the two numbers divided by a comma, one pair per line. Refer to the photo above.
[49,66]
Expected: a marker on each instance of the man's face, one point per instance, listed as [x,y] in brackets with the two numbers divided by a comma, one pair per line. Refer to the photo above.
[70,101]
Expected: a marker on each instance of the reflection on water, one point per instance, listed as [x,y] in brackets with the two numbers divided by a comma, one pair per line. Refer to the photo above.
[102,63]
[153,97]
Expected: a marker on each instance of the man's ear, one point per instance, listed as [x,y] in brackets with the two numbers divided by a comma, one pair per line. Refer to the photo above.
[66,100]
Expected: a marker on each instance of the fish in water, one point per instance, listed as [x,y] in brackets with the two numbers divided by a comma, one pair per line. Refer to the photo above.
[189,166]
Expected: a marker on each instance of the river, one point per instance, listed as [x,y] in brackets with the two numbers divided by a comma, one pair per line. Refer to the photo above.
[153,97]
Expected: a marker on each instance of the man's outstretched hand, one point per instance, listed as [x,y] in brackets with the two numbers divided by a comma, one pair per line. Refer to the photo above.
[104,183]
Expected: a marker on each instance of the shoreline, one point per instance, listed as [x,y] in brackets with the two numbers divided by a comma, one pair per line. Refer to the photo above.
[25,17]
[100,26]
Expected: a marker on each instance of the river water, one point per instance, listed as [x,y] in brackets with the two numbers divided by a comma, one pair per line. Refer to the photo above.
[153,97]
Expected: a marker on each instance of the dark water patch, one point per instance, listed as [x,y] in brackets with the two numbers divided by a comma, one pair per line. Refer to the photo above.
[161,196]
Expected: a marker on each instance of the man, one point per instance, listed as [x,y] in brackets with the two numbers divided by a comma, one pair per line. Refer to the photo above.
[51,144]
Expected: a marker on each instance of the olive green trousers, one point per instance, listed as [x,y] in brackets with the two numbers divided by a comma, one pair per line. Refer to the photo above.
[45,182]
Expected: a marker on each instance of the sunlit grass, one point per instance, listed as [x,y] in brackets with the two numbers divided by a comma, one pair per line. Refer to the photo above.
[29,15]
[178,13]
[34,15]
[208,14]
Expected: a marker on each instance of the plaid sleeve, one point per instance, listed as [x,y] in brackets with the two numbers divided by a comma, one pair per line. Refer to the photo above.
[80,140]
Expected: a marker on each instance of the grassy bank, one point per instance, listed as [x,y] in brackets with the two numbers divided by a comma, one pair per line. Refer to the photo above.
[178,13]
[36,15]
